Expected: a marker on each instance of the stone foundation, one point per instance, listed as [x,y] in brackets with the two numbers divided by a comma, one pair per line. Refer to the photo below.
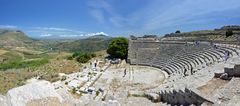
[184,97]
[233,71]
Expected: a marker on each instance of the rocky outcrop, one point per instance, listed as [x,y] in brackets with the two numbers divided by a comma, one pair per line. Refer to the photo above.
[35,90]
[3,100]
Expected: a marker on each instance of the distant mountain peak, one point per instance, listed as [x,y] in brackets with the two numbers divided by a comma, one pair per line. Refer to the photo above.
[73,36]
[13,38]
[100,36]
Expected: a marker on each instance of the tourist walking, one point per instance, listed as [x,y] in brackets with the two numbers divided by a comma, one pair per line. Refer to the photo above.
[90,64]
[226,55]
[125,72]
[95,64]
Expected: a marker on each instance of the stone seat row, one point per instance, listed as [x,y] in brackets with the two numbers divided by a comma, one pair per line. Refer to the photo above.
[190,61]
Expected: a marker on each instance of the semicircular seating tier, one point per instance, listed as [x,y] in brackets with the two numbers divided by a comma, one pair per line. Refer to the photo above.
[177,57]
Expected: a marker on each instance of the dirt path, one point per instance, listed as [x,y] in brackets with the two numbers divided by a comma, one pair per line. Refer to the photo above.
[212,85]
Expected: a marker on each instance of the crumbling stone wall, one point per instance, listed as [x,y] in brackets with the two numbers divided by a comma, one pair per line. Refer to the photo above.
[184,97]
[233,71]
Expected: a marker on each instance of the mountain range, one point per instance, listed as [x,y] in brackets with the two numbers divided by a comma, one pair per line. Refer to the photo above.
[17,38]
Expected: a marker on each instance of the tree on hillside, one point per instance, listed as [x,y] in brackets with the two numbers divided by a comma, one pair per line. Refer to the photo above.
[178,31]
[229,33]
[118,47]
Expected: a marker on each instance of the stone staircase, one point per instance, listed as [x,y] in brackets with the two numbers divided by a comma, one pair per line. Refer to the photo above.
[182,96]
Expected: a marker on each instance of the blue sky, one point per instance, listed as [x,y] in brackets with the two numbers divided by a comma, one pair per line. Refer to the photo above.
[39,18]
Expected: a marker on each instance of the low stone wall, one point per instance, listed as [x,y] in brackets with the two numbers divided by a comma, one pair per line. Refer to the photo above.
[233,71]
[184,97]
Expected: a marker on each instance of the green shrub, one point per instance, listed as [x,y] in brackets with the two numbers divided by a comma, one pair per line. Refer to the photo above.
[118,48]
[76,54]
[22,64]
[229,33]
[74,90]
[97,93]
[82,57]
[70,58]
[66,83]
[178,31]
[93,55]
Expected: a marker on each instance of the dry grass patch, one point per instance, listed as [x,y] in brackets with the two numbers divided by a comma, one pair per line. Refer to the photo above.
[2,51]
[13,78]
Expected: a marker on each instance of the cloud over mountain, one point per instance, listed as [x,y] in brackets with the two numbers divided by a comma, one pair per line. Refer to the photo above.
[55,32]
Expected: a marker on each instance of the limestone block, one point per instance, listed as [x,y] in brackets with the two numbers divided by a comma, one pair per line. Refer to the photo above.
[237,70]
[37,90]
[153,97]
[224,76]
[83,89]
[3,100]
[229,69]
[136,93]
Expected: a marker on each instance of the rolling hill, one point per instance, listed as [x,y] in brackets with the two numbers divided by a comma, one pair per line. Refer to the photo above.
[216,35]
[14,38]
[90,44]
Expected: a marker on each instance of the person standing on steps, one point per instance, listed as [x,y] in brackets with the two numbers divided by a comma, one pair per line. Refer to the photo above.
[185,71]
[95,65]
[226,55]
[90,64]
[191,71]
[125,72]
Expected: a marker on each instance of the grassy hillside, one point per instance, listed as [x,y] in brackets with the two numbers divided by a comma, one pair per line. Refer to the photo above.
[217,35]
[22,58]
[91,44]
[14,38]
[56,63]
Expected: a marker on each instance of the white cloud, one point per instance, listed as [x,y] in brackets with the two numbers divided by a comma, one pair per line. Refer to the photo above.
[98,33]
[118,21]
[98,15]
[103,12]
[8,26]
[60,32]
[157,15]
[71,35]
[46,35]
[54,29]
[187,10]
[98,9]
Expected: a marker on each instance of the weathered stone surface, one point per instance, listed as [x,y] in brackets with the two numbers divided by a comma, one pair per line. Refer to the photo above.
[37,90]
[3,101]
[224,76]
[153,97]
[136,93]
[232,70]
